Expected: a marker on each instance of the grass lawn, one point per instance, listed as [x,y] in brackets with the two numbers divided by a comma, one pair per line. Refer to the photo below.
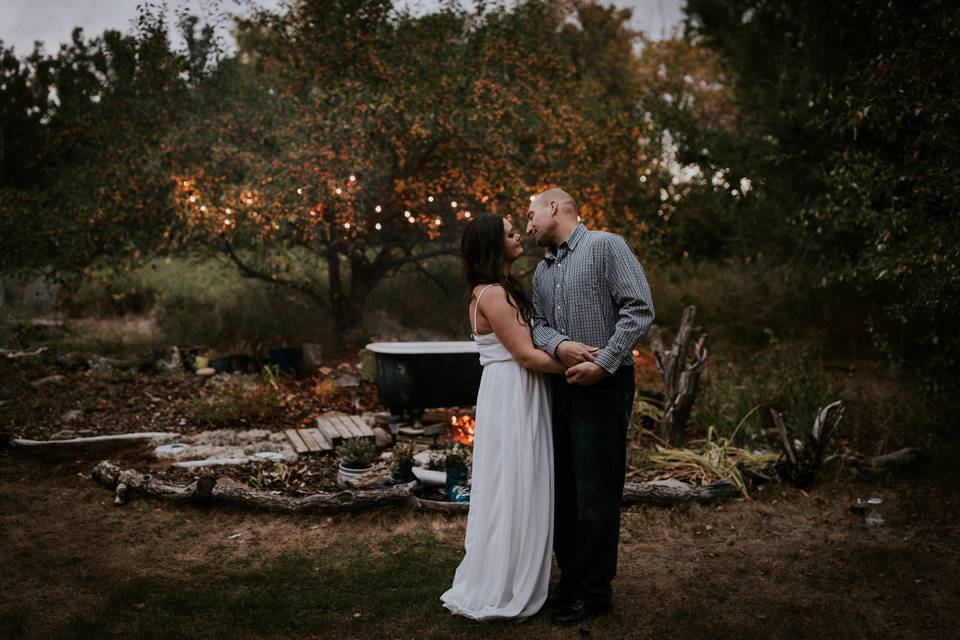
[785,565]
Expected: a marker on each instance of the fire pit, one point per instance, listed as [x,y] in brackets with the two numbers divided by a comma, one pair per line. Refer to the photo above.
[418,375]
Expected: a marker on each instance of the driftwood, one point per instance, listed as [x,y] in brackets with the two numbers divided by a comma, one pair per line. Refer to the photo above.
[668,495]
[146,435]
[209,490]
[680,368]
[799,466]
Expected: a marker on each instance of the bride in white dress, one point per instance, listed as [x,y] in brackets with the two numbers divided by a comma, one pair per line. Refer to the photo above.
[505,571]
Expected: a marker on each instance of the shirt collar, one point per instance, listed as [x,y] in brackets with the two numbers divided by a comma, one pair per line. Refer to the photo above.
[571,242]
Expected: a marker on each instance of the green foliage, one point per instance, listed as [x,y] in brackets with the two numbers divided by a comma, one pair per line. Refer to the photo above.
[788,377]
[89,174]
[850,108]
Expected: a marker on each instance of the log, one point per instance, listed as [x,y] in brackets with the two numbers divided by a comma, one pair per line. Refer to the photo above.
[145,435]
[680,368]
[672,494]
[225,491]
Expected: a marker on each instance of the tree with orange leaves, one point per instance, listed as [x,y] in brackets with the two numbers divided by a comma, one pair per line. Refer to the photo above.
[361,138]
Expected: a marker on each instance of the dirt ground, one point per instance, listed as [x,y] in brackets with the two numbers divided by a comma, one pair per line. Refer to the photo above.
[786,564]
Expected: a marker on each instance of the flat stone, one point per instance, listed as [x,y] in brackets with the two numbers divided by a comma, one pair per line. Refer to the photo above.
[381,437]
[72,416]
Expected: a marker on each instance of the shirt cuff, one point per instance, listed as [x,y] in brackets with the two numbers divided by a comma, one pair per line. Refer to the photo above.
[553,343]
[608,361]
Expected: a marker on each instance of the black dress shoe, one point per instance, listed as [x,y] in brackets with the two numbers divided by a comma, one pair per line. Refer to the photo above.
[580,611]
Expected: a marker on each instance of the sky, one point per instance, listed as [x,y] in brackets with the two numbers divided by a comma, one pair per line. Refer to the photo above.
[51,21]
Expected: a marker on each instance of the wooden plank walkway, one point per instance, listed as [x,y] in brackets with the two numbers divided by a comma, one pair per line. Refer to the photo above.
[331,429]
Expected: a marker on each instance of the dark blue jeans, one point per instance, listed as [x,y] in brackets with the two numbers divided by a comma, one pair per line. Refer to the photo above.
[590,455]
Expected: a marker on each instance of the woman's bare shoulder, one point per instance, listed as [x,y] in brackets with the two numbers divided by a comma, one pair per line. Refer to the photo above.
[492,291]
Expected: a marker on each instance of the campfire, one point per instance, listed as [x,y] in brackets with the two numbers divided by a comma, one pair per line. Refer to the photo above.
[462,429]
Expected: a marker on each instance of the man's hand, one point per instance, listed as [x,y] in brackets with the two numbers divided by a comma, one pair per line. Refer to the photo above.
[572,353]
[586,373]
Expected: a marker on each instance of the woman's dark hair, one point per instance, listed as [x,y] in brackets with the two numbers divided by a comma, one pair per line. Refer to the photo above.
[481,246]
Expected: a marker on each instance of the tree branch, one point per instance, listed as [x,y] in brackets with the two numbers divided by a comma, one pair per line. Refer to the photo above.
[249,272]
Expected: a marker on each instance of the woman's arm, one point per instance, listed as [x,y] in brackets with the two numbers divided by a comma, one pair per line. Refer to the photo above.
[514,334]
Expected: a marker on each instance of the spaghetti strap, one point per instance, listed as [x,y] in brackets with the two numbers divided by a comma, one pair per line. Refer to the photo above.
[476,306]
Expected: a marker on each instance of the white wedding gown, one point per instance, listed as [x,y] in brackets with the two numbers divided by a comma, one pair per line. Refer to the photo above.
[505,572]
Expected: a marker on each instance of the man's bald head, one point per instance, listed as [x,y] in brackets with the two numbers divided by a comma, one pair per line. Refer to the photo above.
[565,203]
[553,214]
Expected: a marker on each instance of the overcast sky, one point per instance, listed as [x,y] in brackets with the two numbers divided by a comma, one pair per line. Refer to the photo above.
[24,21]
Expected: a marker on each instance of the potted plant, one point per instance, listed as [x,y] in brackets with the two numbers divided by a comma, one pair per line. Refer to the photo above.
[401,466]
[456,460]
[356,460]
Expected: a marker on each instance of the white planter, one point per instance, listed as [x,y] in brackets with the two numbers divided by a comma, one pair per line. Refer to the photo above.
[347,477]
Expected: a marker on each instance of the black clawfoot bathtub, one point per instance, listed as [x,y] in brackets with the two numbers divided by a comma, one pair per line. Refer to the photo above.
[422,375]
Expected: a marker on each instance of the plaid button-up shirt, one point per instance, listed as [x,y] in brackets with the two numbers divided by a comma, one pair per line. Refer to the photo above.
[592,290]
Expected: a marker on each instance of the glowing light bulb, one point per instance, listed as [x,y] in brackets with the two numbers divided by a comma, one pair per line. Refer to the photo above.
[228,210]
[299,191]
[532,198]
[346,225]
[203,207]
[353,178]
[193,198]
[410,220]
[339,190]
[407,213]
[429,198]
[377,226]
[378,208]
[454,204]
[438,222]
[466,214]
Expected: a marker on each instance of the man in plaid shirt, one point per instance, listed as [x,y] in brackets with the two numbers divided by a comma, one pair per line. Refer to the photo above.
[592,306]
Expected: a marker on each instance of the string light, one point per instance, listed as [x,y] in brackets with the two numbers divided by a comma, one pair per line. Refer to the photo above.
[429,198]
[410,220]
[353,178]
[454,204]
[346,225]
[407,214]
[466,214]
[378,208]
[339,190]
[193,199]
[228,211]
[438,222]
[203,208]
[377,226]
[299,191]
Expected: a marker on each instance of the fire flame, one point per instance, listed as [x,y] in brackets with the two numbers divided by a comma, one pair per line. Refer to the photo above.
[462,429]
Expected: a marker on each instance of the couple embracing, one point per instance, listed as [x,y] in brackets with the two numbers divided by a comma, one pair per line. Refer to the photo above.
[550,450]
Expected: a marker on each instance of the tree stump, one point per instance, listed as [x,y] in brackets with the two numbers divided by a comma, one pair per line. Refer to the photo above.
[799,466]
[680,368]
